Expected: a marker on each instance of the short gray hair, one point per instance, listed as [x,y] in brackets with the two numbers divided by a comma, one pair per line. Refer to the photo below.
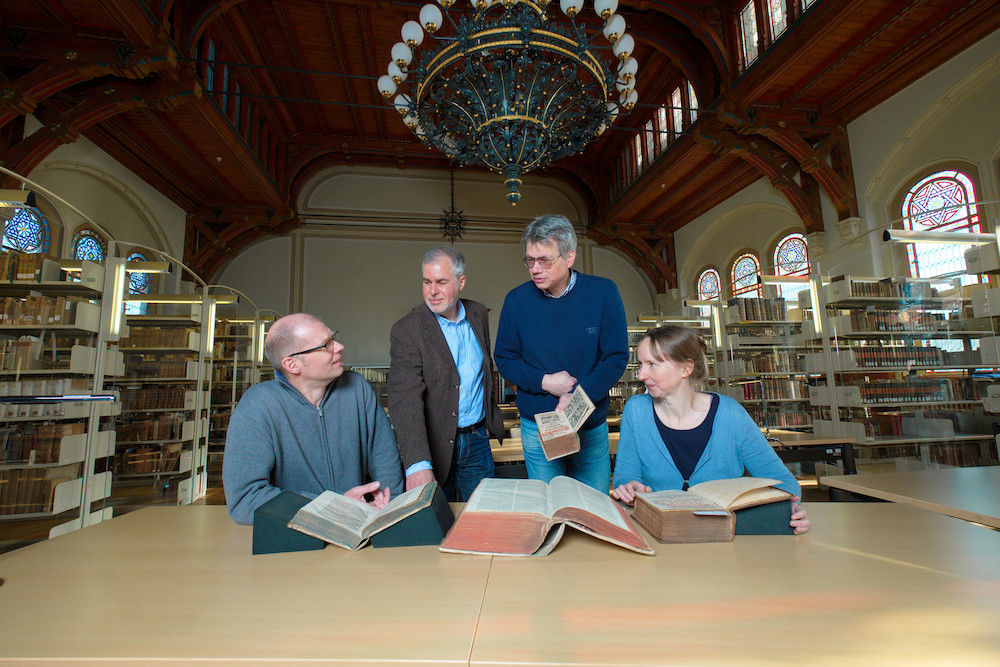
[452,253]
[548,228]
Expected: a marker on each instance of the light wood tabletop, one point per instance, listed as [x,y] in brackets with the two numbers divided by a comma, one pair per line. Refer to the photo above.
[871,583]
[972,494]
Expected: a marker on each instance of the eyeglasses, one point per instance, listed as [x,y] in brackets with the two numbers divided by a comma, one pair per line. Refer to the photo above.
[328,345]
[543,262]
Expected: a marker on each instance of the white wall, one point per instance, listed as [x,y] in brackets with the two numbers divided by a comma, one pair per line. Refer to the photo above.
[948,115]
[105,191]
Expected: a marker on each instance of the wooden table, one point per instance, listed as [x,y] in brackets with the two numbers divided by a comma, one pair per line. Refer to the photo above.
[872,583]
[972,494]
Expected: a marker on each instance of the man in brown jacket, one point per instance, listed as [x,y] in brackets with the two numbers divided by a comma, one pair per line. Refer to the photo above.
[441,400]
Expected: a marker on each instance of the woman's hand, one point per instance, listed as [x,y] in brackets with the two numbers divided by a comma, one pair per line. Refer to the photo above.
[626,492]
[800,521]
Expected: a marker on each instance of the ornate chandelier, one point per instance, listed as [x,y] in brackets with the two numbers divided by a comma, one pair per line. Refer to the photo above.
[508,87]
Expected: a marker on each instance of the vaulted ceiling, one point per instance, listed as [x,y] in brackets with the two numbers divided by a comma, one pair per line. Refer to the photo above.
[132,76]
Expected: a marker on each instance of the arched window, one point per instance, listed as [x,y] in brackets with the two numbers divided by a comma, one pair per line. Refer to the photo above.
[88,244]
[27,231]
[138,283]
[944,201]
[745,275]
[791,258]
[709,285]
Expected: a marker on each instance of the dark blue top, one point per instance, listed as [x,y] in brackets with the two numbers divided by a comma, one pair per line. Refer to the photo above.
[583,333]
[686,446]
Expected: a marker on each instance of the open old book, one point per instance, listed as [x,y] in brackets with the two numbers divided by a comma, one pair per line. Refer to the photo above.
[349,523]
[557,429]
[716,510]
[522,517]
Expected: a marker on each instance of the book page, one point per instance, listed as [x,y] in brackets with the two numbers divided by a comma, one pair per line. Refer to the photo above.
[679,500]
[578,408]
[568,492]
[724,492]
[509,495]
[551,424]
[400,507]
[333,508]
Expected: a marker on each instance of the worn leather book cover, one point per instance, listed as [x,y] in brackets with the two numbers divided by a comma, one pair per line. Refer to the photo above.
[527,517]
[557,429]
[710,511]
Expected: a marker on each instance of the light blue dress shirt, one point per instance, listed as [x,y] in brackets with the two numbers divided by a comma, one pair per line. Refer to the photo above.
[468,356]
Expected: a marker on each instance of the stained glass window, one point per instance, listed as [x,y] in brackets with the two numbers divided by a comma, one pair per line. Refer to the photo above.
[746,275]
[663,125]
[748,33]
[692,103]
[677,111]
[776,14]
[27,231]
[88,244]
[709,285]
[138,283]
[791,258]
[944,201]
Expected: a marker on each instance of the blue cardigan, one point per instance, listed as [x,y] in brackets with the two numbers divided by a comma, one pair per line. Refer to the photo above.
[736,445]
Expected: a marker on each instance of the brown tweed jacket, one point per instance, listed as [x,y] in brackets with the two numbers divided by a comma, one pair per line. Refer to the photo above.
[423,387]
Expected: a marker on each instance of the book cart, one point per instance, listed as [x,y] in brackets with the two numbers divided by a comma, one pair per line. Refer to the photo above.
[56,354]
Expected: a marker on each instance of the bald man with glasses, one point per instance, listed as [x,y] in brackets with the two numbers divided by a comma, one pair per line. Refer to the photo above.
[314,427]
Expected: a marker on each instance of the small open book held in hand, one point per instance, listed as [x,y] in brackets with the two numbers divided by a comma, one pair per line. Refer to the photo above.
[716,510]
[557,429]
[349,523]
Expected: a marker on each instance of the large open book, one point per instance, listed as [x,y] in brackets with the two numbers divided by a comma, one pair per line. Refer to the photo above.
[349,523]
[707,512]
[557,429]
[522,517]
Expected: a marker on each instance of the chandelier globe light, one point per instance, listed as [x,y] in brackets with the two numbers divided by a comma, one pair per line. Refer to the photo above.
[511,85]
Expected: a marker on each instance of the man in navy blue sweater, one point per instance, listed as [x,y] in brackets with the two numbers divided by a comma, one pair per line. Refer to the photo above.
[560,329]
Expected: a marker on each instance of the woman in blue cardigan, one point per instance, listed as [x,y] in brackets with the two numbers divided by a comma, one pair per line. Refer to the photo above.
[676,435]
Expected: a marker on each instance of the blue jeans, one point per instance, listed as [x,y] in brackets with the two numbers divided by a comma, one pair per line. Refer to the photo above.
[591,465]
[471,462]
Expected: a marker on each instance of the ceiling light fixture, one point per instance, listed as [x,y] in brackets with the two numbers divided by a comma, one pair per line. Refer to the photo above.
[509,87]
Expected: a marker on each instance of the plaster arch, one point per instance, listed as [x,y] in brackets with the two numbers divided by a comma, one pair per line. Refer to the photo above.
[359,193]
[895,168]
[110,184]
[738,228]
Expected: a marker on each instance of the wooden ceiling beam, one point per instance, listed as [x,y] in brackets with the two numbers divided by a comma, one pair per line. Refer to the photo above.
[285,29]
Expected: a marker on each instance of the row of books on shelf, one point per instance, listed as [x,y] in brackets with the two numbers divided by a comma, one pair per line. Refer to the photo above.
[162,426]
[226,328]
[39,310]
[219,419]
[770,389]
[953,454]
[157,398]
[772,361]
[157,366]
[44,386]
[147,459]
[31,490]
[35,443]
[843,287]
[229,373]
[21,354]
[778,418]
[741,309]
[889,321]
[21,266]
[227,349]
[158,337]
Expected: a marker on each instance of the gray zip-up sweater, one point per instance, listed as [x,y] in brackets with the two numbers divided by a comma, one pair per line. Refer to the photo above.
[278,441]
